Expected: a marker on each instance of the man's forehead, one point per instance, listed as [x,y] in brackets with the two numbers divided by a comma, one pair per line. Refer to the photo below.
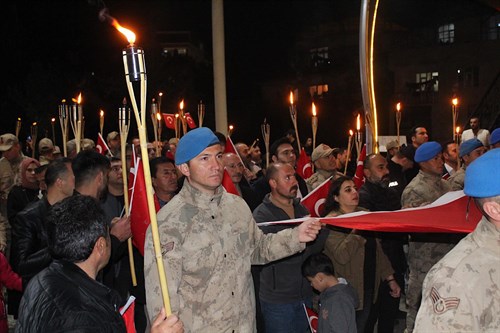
[421,130]
[283,147]
[168,165]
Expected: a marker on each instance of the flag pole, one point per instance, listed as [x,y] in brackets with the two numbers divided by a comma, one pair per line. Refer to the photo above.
[124,123]
[137,72]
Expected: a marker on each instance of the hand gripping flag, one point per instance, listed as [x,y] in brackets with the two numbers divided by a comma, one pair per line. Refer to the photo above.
[359,176]
[139,211]
[101,146]
[228,184]
[304,165]
[190,120]
[169,119]
[315,200]
[312,318]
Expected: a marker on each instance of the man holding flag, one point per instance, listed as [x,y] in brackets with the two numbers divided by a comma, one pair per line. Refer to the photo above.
[209,240]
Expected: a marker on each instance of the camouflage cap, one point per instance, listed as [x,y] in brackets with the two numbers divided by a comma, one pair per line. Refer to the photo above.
[7,141]
[321,151]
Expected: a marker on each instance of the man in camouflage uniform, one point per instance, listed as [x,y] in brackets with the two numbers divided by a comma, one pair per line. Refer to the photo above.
[424,249]
[461,291]
[469,151]
[325,165]
[9,176]
[208,242]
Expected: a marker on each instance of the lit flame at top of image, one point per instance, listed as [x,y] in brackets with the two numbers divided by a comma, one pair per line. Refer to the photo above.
[351,133]
[314,110]
[398,106]
[454,101]
[358,122]
[101,113]
[181,105]
[53,120]
[457,130]
[291,98]
[158,116]
[104,16]
[34,124]
[78,100]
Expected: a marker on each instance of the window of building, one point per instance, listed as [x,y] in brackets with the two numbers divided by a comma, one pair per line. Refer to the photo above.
[427,82]
[468,77]
[318,90]
[319,56]
[446,33]
[492,29]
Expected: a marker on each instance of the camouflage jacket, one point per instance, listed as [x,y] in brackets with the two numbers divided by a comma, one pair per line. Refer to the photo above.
[457,180]
[461,292]
[208,243]
[423,190]
[319,177]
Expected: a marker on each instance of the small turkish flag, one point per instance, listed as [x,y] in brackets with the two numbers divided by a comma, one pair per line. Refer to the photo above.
[304,165]
[315,200]
[169,119]
[101,145]
[312,318]
[359,176]
[228,184]
[190,120]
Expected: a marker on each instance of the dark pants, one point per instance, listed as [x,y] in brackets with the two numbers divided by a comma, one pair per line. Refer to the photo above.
[285,318]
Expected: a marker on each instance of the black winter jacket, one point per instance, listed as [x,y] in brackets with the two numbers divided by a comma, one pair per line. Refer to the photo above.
[281,281]
[63,298]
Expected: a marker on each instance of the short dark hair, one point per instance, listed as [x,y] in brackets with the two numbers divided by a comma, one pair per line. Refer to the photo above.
[153,164]
[56,169]
[412,133]
[114,159]
[73,227]
[317,263]
[87,165]
[221,137]
[272,171]
[276,144]
[444,145]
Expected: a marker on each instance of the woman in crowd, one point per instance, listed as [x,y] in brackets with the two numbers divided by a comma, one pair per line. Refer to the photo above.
[357,255]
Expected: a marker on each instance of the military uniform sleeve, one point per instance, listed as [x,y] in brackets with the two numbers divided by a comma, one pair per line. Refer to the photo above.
[172,262]
[273,246]
[446,305]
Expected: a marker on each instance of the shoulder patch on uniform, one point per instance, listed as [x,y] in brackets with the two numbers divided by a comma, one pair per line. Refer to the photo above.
[442,304]
[167,248]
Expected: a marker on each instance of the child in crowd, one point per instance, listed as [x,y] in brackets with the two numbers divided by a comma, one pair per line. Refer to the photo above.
[338,299]
[11,280]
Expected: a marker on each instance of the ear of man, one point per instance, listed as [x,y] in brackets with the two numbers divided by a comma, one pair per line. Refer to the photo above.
[184,169]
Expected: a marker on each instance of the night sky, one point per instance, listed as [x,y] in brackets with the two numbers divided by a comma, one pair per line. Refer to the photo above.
[58,48]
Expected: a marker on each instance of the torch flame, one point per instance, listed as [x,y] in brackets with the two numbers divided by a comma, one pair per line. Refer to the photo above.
[101,113]
[454,101]
[358,122]
[34,124]
[314,110]
[176,115]
[53,120]
[231,127]
[158,116]
[457,130]
[19,119]
[398,107]
[351,133]
[291,98]
[77,100]
[181,105]
[129,34]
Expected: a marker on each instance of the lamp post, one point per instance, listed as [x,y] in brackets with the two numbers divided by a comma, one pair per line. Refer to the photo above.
[454,112]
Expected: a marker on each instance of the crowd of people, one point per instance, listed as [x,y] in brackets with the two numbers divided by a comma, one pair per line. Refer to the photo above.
[65,263]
